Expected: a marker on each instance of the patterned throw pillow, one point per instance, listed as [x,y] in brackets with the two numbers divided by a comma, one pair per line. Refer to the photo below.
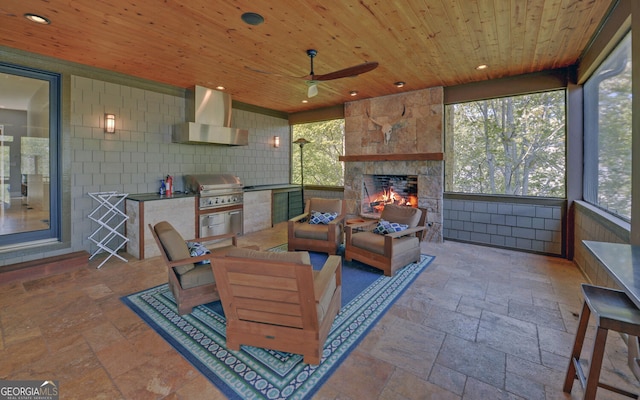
[320,218]
[197,249]
[385,227]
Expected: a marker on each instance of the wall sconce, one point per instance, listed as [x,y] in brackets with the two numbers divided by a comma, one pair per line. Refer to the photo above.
[110,123]
[276,141]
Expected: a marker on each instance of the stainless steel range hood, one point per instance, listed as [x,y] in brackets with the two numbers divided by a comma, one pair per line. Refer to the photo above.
[208,115]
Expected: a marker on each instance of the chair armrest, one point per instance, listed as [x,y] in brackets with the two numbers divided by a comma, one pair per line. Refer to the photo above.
[359,227]
[409,231]
[332,267]
[231,236]
[191,260]
[388,238]
[299,217]
[363,226]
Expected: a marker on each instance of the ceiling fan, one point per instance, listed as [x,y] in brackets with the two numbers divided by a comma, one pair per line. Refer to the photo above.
[312,79]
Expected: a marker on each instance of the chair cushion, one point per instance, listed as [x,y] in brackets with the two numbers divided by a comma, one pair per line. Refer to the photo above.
[298,257]
[320,218]
[311,231]
[198,276]
[385,227]
[174,245]
[401,214]
[375,243]
[326,205]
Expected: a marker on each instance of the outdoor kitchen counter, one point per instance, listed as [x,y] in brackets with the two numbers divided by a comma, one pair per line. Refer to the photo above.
[157,196]
[179,210]
[270,187]
[259,198]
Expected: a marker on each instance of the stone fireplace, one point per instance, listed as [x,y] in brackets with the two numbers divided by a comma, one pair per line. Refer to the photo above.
[410,155]
[380,190]
[428,176]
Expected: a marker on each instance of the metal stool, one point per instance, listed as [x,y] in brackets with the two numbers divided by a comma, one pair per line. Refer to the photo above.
[613,310]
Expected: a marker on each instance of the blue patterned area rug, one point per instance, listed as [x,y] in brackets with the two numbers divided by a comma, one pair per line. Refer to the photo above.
[257,373]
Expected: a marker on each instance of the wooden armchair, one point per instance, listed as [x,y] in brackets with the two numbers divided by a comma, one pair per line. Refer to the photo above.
[277,301]
[191,284]
[324,237]
[389,251]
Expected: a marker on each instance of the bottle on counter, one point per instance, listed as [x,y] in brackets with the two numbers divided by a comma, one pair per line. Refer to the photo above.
[163,187]
[169,185]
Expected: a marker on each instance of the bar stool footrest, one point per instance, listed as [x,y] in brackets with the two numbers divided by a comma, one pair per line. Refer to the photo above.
[580,373]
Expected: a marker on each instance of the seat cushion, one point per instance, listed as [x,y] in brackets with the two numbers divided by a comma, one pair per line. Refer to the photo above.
[298,257]
[375,243]
[402,215]
[326,205]
[311,231]
[198,276]
[174,245]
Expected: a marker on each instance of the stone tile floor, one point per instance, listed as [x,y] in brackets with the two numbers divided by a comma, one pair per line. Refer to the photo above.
[479,323]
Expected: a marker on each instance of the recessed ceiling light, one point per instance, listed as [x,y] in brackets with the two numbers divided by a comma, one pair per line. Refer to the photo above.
[399,84]
[38,19]
[353,93]
[482,66]
[220,87]
[252,18]
[305,101]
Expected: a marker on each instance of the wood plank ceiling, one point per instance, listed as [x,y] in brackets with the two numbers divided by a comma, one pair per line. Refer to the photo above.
[424,43]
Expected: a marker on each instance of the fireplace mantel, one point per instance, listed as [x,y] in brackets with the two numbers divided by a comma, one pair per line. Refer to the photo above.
[393,157]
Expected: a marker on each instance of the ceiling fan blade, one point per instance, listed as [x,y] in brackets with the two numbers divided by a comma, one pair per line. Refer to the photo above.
[347,72]
[260,71]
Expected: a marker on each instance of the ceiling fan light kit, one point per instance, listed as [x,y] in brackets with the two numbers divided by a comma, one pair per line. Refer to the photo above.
[313,89]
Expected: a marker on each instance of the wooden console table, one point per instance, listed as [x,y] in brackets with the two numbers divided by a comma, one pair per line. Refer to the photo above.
[622,262]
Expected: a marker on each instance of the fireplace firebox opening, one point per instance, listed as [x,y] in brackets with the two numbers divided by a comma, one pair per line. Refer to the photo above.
[380,190]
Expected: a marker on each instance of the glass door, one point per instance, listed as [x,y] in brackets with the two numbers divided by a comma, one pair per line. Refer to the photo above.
[28,133]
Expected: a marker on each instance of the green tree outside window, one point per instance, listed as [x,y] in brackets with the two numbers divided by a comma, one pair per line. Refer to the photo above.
[320,156]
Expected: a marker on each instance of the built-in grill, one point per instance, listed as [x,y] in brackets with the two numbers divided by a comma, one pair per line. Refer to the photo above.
[220,202]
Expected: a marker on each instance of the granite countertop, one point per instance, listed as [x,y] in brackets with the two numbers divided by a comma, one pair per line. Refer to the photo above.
[157,196]
[270,187]
[178,195]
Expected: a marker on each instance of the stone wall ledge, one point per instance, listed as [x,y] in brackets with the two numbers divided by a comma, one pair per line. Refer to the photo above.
[393,157]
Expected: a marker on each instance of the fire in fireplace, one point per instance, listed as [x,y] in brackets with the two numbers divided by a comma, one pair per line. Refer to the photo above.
[379,190]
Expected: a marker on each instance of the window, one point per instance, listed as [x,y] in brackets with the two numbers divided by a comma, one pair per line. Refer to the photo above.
[320,156]
[510,146]
[29,205]
[607,133]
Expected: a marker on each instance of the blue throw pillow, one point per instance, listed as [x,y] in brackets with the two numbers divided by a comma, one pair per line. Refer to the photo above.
[385,227]
[197,249]
[320,218]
